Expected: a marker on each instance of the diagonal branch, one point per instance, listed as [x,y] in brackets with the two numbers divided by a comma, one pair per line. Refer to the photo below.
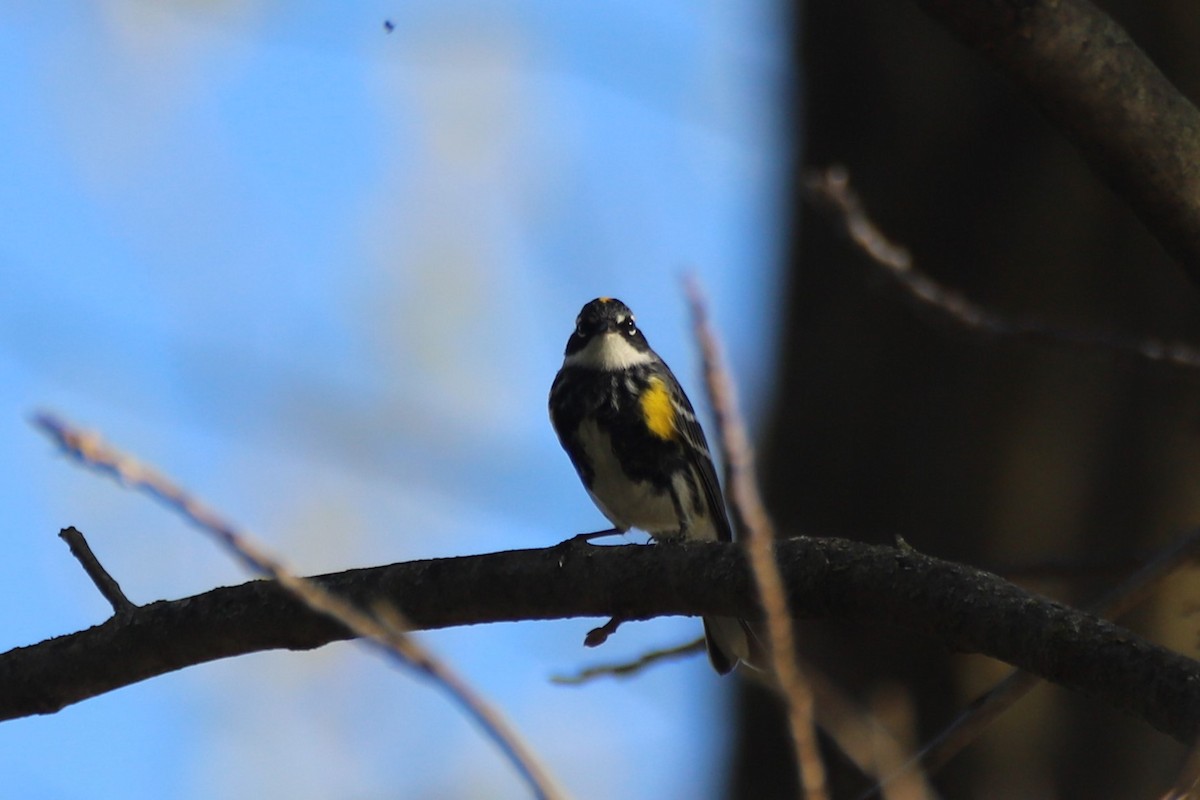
[961,608]
[385,628]
[627,668]
[1132,126]
[758,532]
[832,189]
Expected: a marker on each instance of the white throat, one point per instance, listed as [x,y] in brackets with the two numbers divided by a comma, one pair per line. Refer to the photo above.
[609,352]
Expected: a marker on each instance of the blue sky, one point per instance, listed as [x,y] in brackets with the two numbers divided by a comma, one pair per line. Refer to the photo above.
[322,274]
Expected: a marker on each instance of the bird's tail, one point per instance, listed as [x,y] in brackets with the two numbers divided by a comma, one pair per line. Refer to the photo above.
[729,641]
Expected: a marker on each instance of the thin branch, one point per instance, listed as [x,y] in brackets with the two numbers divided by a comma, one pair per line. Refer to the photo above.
[389,639]
[107,585]
[628,668]
[831,188]
[758,531]
[861,738]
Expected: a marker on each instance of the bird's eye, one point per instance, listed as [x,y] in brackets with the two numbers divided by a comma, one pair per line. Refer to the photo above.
[579,327]
[628,327]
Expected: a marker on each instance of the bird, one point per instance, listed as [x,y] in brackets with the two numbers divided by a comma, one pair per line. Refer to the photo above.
[632,435]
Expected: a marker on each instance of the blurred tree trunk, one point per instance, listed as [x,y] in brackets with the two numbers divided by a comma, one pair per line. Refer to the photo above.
[888,422]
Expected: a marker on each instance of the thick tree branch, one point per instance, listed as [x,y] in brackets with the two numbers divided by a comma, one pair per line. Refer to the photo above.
[1134,128]
[965,609]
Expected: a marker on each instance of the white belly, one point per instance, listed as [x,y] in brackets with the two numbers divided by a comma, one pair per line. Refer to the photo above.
[640,505]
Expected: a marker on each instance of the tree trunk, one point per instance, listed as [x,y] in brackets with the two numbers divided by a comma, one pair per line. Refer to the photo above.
[892,421]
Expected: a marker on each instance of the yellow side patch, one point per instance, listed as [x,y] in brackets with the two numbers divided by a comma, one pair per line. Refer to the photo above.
[657,410]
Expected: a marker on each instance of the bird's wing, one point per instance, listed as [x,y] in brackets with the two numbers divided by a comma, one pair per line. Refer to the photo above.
[701,459]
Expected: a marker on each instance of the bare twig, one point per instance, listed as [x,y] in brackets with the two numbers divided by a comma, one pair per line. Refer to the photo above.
[759,532]
[1137,587]
[862,739]
[631,667]
[386,634]
[107,585]
[831,187]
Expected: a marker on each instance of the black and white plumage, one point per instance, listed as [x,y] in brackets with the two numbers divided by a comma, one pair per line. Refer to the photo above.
[633,437]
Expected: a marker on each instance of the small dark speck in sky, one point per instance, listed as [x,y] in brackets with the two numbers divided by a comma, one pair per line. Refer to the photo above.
[389,26]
